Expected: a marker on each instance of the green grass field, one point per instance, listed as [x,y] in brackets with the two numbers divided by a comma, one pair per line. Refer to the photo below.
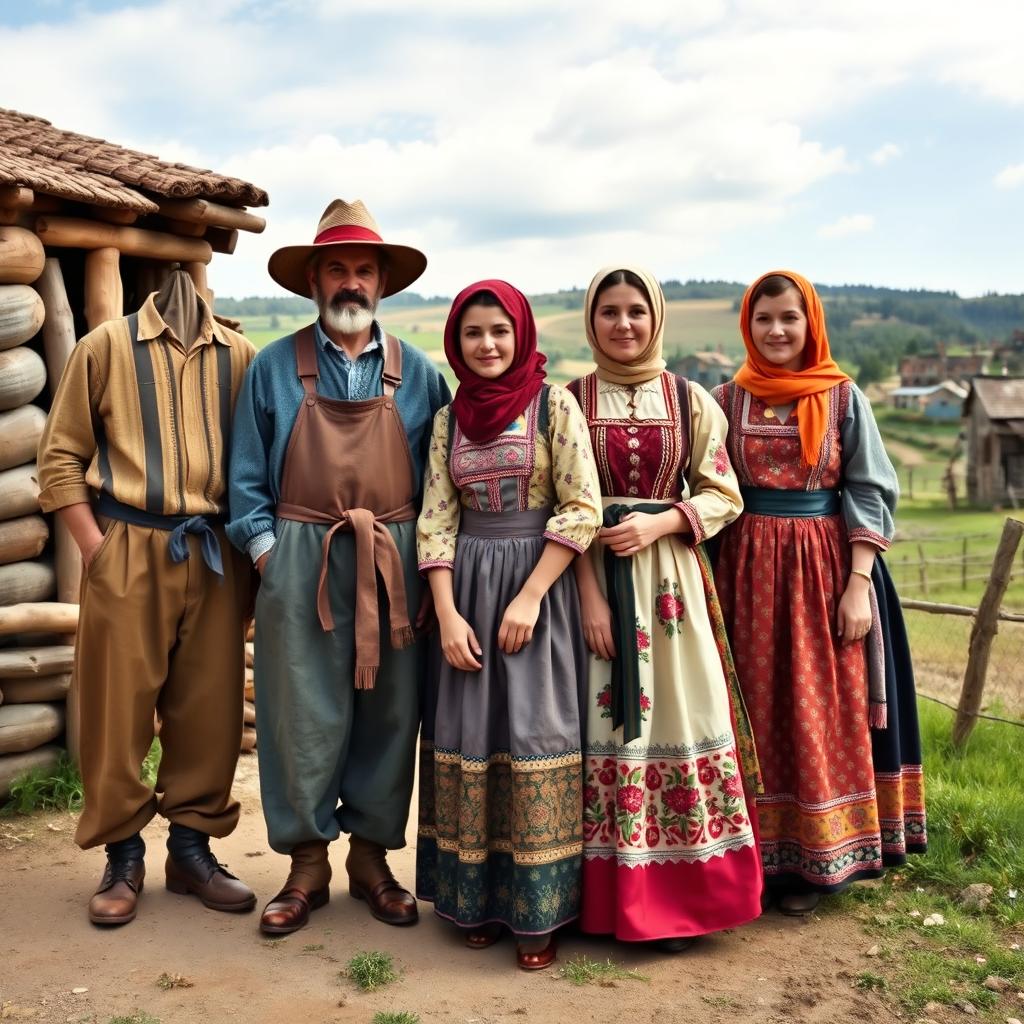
[691,326]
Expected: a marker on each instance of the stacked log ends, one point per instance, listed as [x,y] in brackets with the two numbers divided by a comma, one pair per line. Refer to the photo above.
[21,255]
[21,314]
[27,582]
[21,538]
[20,431]
[19,491]
[14,765]
[27,726]
[33,691]
[22,377]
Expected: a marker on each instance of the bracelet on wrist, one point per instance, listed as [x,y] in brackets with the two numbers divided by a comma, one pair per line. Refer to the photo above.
[861,572]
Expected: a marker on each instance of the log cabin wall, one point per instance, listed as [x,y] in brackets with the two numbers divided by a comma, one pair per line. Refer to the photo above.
[87,230]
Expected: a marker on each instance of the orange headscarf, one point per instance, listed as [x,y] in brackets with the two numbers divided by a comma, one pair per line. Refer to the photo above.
[808,387]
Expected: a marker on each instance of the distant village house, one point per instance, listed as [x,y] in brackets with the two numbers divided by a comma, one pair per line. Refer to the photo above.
[936,401]
[994,410]
[708,369]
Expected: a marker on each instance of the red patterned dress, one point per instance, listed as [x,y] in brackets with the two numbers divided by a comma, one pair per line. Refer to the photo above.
[780,580]
[669,848]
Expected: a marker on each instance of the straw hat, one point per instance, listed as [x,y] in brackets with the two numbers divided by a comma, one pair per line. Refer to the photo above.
[346,224]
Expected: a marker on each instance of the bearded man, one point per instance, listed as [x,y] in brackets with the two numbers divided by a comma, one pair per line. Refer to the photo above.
[330,439]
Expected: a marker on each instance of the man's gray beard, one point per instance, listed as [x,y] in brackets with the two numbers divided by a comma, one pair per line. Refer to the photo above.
[350,319]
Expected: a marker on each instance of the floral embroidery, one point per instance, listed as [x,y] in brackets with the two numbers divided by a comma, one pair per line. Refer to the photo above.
[643,642]
[664,805]
[604,702]
[669,607]
[720,457]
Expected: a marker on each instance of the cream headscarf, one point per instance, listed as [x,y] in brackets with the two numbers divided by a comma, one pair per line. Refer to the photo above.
[649,363]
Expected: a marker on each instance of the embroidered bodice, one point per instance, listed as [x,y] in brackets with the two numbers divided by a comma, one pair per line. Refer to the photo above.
[541,460]
[663,440]
[766,453]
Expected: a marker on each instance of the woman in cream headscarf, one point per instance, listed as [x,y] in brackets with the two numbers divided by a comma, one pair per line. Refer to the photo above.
[669,766]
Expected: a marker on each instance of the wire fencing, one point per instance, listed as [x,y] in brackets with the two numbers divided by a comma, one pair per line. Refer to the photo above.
[941,583]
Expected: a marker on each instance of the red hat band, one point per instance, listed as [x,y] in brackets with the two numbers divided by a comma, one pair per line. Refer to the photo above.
[346,233]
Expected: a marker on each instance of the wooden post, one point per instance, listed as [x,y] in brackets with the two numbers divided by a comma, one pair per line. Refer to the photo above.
[922,570]
[59,325]
[986,625]
[963,567]
[910,484]
[197,271]
[104,299]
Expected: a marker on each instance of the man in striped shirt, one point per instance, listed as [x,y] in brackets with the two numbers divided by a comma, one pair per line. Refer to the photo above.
[134,460]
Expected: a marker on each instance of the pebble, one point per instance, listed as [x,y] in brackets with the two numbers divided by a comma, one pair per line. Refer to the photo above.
[80,991]
[968,1008]
[873,951]
[933,919]
[1012,1020]
[995,984]
[976,896]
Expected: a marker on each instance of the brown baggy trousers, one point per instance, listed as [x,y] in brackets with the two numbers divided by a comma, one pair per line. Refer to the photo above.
[155,635]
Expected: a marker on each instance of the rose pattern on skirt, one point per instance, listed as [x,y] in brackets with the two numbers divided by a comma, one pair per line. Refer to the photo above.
[660,804]
[669,607]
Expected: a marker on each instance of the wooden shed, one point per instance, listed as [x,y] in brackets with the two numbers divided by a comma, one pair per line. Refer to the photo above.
[994,409]
[87,230]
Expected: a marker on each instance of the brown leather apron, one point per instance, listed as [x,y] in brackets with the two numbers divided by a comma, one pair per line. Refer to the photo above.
[348,466]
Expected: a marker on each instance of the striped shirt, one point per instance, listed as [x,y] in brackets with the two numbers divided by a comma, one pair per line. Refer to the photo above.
[148,422]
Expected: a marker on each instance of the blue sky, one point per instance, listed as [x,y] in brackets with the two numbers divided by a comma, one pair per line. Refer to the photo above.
[537,140]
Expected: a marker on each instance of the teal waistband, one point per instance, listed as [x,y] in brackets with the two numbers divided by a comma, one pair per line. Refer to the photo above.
[766,501]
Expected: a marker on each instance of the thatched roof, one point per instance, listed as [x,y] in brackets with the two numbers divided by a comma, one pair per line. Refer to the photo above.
[58,163]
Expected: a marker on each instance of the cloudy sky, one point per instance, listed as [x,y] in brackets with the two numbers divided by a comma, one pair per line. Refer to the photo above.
[874,142]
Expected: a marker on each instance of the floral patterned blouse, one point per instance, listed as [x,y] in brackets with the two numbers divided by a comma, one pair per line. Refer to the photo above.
[644,451]
[522,468]
[852,460]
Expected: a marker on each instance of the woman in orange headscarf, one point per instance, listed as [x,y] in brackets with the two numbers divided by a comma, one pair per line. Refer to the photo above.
[800,590]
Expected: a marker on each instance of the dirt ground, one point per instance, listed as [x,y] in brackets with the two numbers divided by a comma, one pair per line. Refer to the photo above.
[775,970]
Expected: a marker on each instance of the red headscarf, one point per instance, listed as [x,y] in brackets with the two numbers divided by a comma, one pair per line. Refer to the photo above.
[809,386]
[484,408]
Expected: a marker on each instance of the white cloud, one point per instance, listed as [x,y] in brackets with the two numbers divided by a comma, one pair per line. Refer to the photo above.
[1010,177]
[852,224]
[529,137]
[886,152]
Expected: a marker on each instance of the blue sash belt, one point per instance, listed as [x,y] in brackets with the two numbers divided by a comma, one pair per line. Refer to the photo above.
[177,545]
[766,501]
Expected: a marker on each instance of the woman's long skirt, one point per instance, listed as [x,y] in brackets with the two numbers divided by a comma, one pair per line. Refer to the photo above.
[500,760]
[780,581]
[669,846]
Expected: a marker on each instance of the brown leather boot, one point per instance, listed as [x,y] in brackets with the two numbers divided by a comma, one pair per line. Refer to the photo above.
[117,897]
[370,879]
[215,886]
[305,890]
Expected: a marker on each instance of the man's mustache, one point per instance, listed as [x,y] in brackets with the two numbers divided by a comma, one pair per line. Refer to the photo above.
[346,295]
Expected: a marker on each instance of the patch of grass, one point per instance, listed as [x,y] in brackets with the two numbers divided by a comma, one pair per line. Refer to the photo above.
[870,981]
[313,947]
[391,1017]
[168,981]
[371,970]
[975,834]
[47,789]
[151,764]
[138,1017]
[581,970]
[721,1002]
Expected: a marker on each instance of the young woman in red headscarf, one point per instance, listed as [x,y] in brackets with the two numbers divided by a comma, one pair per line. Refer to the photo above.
[511,498]
[801,589]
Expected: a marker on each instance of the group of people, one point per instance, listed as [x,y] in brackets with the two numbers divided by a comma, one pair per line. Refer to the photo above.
[655,664]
